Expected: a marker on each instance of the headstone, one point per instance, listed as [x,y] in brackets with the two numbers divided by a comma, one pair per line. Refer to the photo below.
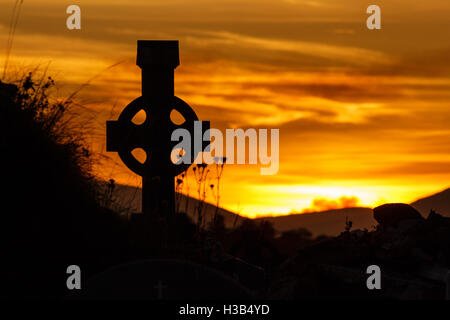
[163,279]
[158,60]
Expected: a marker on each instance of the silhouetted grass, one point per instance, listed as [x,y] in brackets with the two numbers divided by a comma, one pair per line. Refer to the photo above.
[50,211]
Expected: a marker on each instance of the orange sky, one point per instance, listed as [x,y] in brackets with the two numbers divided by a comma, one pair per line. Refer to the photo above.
[361,113]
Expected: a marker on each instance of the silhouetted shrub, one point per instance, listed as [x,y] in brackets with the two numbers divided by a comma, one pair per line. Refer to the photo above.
[49,210]
[254,242]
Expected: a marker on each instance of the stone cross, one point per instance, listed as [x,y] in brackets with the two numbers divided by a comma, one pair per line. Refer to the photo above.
[160,287]
[158,60]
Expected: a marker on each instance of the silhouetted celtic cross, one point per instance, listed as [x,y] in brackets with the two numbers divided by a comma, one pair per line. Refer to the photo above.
[158,60]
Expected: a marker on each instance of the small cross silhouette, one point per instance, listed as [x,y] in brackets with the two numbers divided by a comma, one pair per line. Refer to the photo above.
[160,286]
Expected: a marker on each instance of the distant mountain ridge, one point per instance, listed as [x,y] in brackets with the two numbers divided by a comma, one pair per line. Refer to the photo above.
[439,202]
[330,222]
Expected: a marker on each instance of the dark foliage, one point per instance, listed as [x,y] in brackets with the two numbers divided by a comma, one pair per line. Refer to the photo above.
[49,212]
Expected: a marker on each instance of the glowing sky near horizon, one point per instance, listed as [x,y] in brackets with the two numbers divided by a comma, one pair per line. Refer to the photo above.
[362,114]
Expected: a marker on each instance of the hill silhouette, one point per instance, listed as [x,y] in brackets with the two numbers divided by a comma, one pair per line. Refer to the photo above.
[332,222]
[439,202]
[329,222]
[50,213]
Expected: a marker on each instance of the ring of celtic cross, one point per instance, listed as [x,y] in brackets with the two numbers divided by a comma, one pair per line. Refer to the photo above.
[145,136]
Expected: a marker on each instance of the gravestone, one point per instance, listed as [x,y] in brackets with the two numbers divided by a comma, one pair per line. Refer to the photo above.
[163,279]
[158,60]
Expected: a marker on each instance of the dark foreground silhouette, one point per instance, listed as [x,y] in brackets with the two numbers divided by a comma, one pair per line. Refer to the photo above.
[54,215]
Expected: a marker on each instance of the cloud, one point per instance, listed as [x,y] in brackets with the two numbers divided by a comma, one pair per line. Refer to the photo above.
[323,204]
[352,55]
